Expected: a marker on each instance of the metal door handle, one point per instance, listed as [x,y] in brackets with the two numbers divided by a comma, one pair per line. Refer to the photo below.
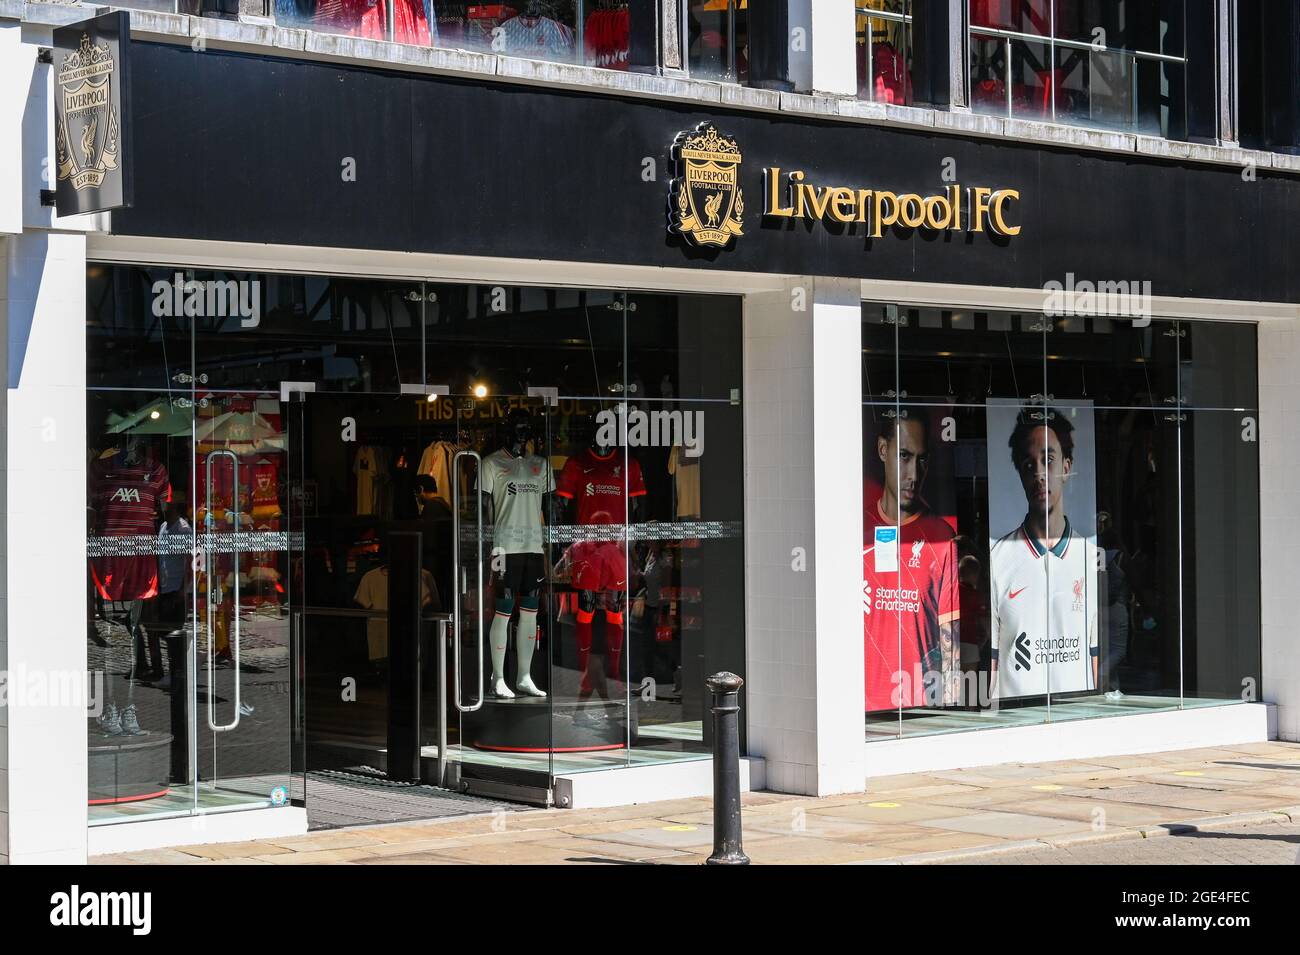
[234,622]
[478,574]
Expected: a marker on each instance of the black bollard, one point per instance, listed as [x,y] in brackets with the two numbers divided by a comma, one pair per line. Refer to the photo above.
[727,849]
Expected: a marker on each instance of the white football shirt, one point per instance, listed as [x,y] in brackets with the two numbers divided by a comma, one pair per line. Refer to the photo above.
[1044,613]
[517,486]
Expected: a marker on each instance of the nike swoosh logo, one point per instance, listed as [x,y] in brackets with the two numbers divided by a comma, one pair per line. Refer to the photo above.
[1016,593]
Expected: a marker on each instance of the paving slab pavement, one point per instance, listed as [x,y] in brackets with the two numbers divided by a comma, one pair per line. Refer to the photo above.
[1073,811]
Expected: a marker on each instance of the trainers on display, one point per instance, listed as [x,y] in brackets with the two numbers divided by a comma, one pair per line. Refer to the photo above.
[110,721]
[130,723]
[1114,695]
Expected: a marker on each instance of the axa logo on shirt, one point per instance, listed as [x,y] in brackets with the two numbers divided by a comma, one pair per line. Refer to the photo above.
[127,495]
[74,908]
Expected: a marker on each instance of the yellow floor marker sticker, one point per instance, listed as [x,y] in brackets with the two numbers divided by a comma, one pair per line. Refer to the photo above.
[1047,788]
[680,828]
[884,805]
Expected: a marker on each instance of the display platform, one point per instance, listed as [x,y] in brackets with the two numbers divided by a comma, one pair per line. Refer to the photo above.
[128,768]
[539,725]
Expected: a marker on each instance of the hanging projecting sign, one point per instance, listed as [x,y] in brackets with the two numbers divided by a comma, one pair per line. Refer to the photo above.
[706,207]
[92,115]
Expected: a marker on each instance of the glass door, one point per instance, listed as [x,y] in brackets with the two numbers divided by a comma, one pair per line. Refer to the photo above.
[242,622]
[370,581]
[140,539]
[505,617]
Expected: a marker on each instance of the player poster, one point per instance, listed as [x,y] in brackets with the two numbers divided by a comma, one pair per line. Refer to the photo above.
[1042,548]
[910,600]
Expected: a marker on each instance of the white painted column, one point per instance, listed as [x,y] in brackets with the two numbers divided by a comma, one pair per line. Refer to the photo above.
[42,577]
[803,532]
[823,59]
[1279,515]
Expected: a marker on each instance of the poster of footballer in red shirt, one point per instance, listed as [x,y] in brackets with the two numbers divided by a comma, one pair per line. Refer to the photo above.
[911,605]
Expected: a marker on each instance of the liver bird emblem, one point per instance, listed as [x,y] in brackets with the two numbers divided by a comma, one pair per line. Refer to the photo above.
[88,139]
[711,206]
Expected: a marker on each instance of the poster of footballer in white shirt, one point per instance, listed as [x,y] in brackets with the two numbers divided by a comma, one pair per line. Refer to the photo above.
[1042,562]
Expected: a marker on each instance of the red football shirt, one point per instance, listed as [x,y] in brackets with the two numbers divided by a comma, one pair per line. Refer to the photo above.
[127,497]
[600,484]
[903,609]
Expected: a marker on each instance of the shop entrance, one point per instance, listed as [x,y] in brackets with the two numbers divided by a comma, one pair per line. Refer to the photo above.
[379,547]
[421,526]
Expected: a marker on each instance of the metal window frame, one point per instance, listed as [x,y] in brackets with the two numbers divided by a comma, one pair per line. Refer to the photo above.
[1052,41]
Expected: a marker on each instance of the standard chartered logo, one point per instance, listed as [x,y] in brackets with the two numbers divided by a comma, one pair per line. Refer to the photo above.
[1022,651]
[1057,650]
[898,599]
[1051,650]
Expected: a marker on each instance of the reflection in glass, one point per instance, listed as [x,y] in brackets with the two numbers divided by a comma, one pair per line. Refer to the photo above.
[140,533]
[1110,65]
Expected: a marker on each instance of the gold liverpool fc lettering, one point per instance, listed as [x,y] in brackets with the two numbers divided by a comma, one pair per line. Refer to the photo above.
[975,209]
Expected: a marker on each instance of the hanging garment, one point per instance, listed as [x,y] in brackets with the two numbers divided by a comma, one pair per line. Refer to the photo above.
[890,82]
[409,23]
[686,473]
[537,37]
[606,37]
[371,469]
[437,462]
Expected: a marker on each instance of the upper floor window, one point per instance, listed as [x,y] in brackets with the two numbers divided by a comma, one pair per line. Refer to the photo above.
[884,47]
[1112,64]
[590,32]
[717,39]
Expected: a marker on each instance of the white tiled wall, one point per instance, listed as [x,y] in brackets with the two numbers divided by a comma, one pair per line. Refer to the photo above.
[804,644]
[42,303]
[1279,485]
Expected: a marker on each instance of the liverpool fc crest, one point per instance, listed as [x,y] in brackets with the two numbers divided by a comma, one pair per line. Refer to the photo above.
[87,131]
[705,201]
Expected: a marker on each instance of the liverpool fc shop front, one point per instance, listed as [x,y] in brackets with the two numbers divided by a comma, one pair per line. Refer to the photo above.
[439,436]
